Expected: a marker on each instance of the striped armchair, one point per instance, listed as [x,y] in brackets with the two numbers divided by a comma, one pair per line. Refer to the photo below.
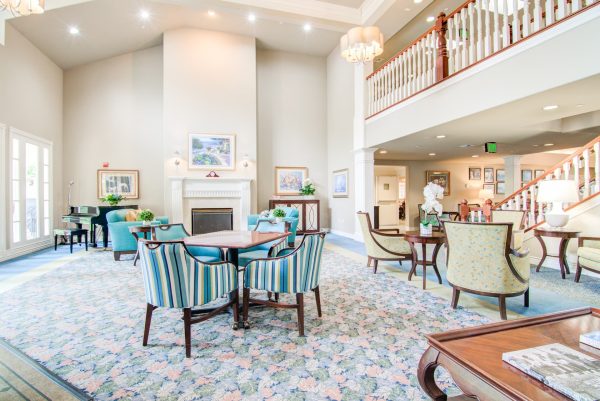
[173,278]
[177,232]
[293,271]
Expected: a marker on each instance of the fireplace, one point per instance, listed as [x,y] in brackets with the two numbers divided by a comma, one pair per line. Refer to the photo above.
[210,220]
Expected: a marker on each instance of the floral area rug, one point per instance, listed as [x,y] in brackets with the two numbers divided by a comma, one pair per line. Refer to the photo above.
[85,322]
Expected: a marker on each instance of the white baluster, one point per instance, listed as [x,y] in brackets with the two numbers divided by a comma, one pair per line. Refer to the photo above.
[597,166]
[575,6]
[533,193]
[537,15]
[464,35]
[450,46]
[557,173]
[487,46]
[566,168]
[576,171]
[496,27]
[505,27]
[401,73]
[419,66]
[398,78]
[405,76]
[370,96]
[526,19]
[549,12]
[479,30]
[562,9]
[516,33]
[409,58]
[471,33]
[586,173]
[459,47]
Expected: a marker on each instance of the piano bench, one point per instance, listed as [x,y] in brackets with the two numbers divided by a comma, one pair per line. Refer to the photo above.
[71,233]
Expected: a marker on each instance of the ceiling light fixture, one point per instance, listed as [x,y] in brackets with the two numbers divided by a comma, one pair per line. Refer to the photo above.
[550,107]
[407,9]
[211,13]
[73,30]
[362,44]
[307,27]
[251,17]
[23,7]
[548,144]
[431,18]
[440,136]
[432,154]
[383,151]
[417,1]
[144,15]
[475,156]
[579,105]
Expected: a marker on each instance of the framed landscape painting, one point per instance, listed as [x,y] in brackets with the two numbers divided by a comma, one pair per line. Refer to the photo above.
[500,188]
[474,173]
[118,182]
[500,175]
[526,176]
[488,175]
[340,183]
[288,180]
[211,152]
[442,178]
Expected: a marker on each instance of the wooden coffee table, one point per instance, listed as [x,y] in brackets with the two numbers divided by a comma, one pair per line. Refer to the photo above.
[565,236]
[473,356]
[415,237]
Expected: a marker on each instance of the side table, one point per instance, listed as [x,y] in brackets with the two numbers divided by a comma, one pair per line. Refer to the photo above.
[565,236]
[415,237]
[141,232]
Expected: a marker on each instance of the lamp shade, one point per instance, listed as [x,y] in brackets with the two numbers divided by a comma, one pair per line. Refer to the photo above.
[557,191]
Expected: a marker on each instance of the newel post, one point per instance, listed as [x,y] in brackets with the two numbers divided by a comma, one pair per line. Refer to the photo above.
[441,61]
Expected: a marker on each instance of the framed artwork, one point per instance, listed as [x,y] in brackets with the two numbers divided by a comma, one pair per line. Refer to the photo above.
[288,180]
[526,176]
[538,173]
[489,187]
[474,173]
[340,183]
[500,188]
[500,175]
[211,152]
[442,178]
[119,182]
[488,175]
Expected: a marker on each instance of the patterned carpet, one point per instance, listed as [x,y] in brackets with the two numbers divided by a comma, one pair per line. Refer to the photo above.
[84,322]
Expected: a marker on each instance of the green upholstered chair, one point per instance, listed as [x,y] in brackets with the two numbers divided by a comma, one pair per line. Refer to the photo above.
[268,250]
[177,232]
[383,245]
[294,271]
[588,255]
[517,218]
[480,261]
[173,278]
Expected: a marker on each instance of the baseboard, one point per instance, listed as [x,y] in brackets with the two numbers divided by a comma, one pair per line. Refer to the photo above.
[25,249]
[343,234]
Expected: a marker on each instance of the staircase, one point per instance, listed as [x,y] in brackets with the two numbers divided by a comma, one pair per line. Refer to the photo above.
[583,167]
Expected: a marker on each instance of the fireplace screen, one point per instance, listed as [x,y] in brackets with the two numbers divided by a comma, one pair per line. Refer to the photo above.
[210,220]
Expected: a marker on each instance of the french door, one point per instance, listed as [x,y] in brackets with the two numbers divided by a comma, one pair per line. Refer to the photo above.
[30,180]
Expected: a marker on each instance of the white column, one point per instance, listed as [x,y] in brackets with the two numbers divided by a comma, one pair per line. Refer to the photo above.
[245,204]
[364,184]
[512,168]
[176,212]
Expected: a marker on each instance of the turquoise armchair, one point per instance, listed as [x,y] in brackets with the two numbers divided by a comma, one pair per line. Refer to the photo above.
[123,242]
[177,232]
[270,249]
[291,216]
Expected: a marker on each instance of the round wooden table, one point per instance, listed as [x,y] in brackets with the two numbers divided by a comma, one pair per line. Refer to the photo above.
[415,237]
[565,236]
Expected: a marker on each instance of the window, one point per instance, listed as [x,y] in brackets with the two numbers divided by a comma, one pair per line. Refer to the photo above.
[30,178]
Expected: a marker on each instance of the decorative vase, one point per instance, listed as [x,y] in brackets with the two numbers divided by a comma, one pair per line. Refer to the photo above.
[426,229]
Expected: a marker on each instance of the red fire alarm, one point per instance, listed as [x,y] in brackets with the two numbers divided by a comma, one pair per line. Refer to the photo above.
[105,165]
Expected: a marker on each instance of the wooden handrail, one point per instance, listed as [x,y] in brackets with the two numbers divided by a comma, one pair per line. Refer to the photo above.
[550,171]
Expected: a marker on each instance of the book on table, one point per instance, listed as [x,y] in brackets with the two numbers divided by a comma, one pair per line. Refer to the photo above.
[592,339]
[572,373]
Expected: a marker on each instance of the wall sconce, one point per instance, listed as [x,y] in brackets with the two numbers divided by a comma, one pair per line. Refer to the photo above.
[245,160]
[177,155]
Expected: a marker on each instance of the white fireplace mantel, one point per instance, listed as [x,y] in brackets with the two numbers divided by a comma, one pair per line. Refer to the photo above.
[189,190]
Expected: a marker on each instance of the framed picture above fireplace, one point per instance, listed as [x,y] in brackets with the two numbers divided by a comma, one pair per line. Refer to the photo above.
[211,152]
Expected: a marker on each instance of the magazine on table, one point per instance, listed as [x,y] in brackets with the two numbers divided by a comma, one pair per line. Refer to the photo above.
[567,371]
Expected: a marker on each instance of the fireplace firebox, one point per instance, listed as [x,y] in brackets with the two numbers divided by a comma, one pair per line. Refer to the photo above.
[210,220]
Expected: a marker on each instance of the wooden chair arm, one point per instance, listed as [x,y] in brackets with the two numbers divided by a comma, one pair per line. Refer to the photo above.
[379,232]
[581,239]
[518,254]
[383,230]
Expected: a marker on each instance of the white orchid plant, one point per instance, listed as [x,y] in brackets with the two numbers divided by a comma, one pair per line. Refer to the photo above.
[308,188]
[432,193]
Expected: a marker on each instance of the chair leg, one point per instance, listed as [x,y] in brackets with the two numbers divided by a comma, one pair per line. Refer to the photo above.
[502,305]
[578,272]
[236,308]
[71,243]
[300,302]
[276,297]
[55,242]
[318,298]
[246,301]
[455,296]
[149,310]
[400,261]
[526,298]
[375,263]
[85,237]
[187,327]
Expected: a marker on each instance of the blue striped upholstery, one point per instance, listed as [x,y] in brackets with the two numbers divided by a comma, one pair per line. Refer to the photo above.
[176,232]
[174,279]
[294,273]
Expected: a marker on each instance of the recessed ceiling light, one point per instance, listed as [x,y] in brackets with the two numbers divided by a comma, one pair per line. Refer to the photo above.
[550,107]
[144,15]
[432,154]
[475,156]
[251,17]
[440,136]
[211,13]
[418,1]
[535,146]
[73,30]
[407,9]
[307,27]
[383,151]
[431,18]
[548,144]
[579,105]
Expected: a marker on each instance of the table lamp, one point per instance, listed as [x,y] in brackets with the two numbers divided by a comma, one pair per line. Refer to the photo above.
[557,192]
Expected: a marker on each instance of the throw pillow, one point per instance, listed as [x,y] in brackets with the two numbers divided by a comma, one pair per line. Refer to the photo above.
[132,215]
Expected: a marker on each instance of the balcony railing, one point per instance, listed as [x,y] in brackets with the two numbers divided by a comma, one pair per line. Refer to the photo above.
[475,31]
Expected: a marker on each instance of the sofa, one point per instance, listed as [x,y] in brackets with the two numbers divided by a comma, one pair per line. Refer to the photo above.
[291,216]
[123,242]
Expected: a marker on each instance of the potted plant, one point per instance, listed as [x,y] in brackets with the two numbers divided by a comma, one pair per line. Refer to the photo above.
[308,188]
[432,192]
[112,199]
[146,216]
[279,214]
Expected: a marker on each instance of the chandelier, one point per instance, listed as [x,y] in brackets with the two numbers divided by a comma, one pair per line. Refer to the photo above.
[23,7]
[362,44]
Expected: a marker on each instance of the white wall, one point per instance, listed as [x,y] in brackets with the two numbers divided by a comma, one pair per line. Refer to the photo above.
[209,87]
[113,113]
[31,88]
[340,155]
[292,121]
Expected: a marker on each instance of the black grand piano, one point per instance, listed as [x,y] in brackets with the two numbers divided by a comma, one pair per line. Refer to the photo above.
[92,216]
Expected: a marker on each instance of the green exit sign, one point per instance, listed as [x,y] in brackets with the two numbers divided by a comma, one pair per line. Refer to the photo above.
[490,147]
